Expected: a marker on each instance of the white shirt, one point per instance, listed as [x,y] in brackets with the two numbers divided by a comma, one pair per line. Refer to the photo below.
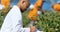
[13,22]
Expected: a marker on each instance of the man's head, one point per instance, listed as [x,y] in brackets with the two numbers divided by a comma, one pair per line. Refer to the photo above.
[23,4]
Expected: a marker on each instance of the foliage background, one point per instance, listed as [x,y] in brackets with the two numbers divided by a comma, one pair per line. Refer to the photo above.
[47,22]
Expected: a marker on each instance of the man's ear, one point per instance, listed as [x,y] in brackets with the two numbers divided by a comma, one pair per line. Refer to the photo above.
[23,2]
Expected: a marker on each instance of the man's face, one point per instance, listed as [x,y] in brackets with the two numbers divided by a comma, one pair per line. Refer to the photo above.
[24,4]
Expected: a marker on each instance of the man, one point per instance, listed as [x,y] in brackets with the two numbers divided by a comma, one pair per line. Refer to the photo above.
[13,20]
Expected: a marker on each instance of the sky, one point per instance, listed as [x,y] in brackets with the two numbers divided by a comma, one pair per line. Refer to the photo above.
[46,6]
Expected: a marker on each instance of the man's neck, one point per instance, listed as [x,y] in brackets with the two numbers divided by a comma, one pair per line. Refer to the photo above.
[18,5]
[19,8]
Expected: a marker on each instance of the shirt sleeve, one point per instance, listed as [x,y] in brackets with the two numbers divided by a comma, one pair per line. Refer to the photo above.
[21,29]
[39,31]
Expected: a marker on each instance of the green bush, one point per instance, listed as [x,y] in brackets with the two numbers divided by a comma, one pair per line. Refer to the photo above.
[1,18]
[26,21]
[47,22]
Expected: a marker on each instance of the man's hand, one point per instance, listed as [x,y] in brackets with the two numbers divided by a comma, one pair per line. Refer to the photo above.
[33,29]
